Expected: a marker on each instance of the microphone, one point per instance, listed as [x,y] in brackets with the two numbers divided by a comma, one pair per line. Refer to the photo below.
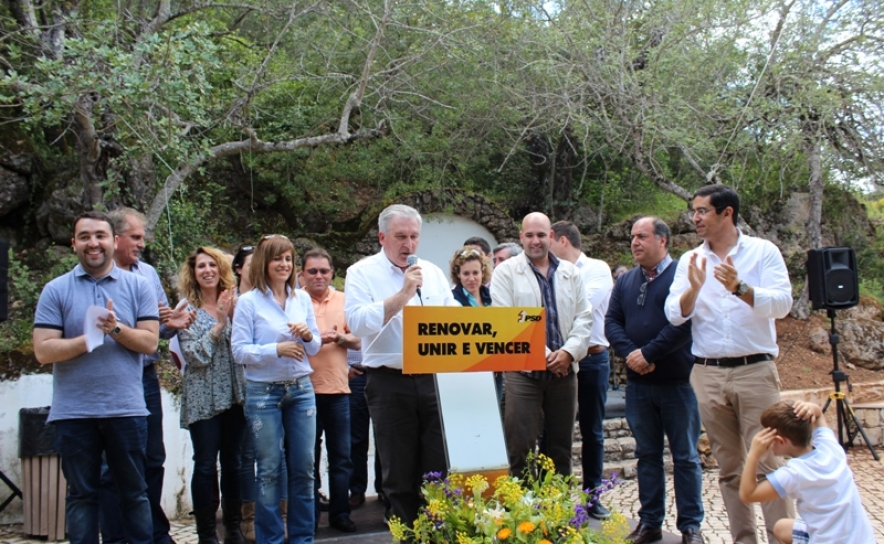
[411,261]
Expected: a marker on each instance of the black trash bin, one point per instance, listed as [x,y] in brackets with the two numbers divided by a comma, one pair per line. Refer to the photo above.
[43,484]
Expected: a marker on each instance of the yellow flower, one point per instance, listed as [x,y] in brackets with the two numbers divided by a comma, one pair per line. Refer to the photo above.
[546,463]
[545,541]
[504,533]
[615,528]
[463,538]
[397,528]
[477,483]
[508,490]
[436,507]
[526,527]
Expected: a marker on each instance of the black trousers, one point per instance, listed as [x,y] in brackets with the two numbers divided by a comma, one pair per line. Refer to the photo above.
[408,432]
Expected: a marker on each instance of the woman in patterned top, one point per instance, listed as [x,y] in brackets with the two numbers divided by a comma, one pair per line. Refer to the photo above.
[213,393]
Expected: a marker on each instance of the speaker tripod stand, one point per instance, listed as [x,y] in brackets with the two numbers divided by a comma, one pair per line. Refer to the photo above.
[848,424]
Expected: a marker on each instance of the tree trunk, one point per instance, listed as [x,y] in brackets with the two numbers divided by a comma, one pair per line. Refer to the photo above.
[801,309]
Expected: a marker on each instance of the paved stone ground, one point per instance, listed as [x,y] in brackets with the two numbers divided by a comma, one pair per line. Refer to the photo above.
[869,476]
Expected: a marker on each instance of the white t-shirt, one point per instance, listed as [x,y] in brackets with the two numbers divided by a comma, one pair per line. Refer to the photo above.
[825,494]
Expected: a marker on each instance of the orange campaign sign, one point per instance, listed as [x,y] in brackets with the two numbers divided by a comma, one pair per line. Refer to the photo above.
[455,339]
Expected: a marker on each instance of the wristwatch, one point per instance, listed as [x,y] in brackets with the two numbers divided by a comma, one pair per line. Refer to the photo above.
[742,289]
[116,331]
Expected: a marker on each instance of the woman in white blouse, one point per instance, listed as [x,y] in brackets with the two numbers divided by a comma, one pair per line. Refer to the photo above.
[213,393]
[274,330]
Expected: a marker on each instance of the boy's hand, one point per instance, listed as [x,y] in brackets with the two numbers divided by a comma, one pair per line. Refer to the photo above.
[807,410]
[762,442]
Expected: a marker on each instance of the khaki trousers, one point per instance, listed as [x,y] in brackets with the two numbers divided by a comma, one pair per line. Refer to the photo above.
[731,401]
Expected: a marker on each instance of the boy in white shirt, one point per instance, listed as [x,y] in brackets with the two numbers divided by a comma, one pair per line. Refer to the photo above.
[816,476]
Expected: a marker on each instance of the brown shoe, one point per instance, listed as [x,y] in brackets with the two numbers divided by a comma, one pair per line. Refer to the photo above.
[692,536]
[248,520]
[643,534]
[357,500]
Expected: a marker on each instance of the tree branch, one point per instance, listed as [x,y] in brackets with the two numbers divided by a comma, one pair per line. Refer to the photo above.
[355,98]
[251,145]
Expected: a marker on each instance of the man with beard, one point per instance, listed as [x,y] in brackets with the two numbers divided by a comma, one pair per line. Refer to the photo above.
[732,288]
[98,402]
[544,400]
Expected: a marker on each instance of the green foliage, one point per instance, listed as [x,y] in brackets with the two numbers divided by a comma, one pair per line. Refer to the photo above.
[200,215]
[25,285]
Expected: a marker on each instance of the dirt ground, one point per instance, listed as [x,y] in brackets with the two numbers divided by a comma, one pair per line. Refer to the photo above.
[802,368]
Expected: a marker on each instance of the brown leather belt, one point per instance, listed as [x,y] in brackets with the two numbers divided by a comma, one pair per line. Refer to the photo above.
[594,350]
[734,361]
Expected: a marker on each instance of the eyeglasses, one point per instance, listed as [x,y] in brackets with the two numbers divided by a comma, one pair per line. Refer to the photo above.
[246,248]
[702,212]
[314,271]
[471,251]
[643,293]
[271,236]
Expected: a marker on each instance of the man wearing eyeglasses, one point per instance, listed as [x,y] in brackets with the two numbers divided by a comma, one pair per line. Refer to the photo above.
[545,400]
[659,397]
[732,288]
[595,368]
[330,383]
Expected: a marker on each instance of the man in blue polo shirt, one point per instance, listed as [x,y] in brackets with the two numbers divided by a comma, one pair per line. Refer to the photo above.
[98,398]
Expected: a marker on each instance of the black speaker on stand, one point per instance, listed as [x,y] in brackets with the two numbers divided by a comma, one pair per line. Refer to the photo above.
[833,284]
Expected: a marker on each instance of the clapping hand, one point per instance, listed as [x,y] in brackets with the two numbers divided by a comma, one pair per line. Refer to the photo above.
[177,318]
[697,271]
[331,336]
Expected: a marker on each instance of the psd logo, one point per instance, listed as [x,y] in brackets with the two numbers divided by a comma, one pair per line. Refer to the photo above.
[523,317]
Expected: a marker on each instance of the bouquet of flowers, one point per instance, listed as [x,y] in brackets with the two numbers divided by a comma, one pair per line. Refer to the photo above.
[542,508]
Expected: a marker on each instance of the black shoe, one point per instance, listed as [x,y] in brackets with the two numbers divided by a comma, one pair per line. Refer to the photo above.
[205,525]
[642,534]
[343,524]
[357,500]
[323,502]
[692,536]
[599,512]
[232,512]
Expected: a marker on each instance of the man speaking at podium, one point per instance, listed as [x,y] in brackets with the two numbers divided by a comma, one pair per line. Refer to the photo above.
[404,408]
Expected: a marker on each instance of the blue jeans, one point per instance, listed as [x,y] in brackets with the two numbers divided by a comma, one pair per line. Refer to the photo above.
[219,436]
[592,392]
[110,516]
[333,417]
[282,420]
[81,442]
[653,410]
[360,427]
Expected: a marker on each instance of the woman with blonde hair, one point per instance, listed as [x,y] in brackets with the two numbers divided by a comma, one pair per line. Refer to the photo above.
[274,329]
[470,273]
[213,393]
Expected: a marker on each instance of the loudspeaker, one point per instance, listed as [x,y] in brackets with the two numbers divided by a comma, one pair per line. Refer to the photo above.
[4,280]
[831,278]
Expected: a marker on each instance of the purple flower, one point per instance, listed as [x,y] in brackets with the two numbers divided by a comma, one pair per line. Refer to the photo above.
[432,476]
[581,517]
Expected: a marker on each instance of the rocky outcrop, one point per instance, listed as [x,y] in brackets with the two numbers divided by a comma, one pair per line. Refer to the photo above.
[861,332]
[15,172]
